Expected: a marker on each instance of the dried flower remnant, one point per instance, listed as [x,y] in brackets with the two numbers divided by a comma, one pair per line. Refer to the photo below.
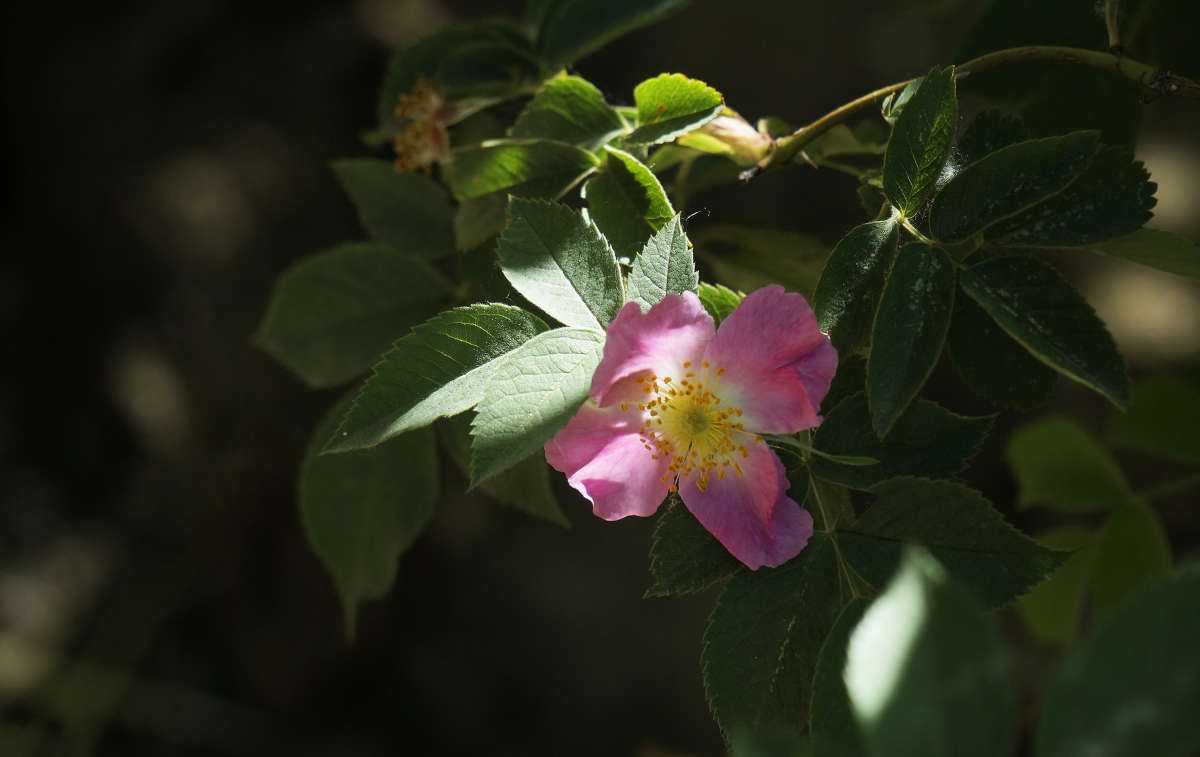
[425,139]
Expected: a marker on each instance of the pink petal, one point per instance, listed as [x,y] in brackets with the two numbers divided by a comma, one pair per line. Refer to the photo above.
[604,460]
[777,365]
[659,341]
[751,514]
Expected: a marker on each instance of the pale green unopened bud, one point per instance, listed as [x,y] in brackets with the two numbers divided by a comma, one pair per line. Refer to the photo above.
[729,134]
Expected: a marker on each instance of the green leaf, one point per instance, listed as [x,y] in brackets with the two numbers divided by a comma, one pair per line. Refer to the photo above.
[362,510]
[834,730]
[962,530]
[851,378]
[1059,465]
[670,105]
[1038,308]
[762,640]
[559,261]
[408,211]
[1132,551]
[529,396]
[991,363]
[528,168]
[1133,688]
[829,504]
[524,487]
[926,672]
[627,203]
[1052,610]
[990,131]
[438,370]
[751,257]
[333,313]
[684,557]
[1163,420]
[719,300]
[572,29]
[852,283]
[921,141]
[910,329]
[1156,249]
[1112,198]
[927,440]
[1011,180]
[663,267]
[568,109]
[478,220]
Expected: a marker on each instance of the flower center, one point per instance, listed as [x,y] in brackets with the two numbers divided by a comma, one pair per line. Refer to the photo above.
[686,421]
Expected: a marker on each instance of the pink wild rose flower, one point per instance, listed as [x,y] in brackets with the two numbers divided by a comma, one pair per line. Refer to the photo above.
[678,405]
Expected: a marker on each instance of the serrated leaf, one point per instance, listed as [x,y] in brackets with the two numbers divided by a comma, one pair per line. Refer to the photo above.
[529,396]
[664,266]
[921,141]
[834,731]
[408,211]
[959,527]
[572,29]
[568,109]
[333,313]
[909,331]
[1040,310]
[852,283]
[362,510]
[927,440]
[1112,198]
[851,378]
[762,640]
[926,672]
[1133,688]
[719,301]
[478,220]
[527,168]
[989,131]
[1156,249]
[1131,552]
[1009,181]
[752,257]
[670,105]
[831,503]
[991,363]
[684,557]
[1163,420]
[1059,465]
[561,263]
[627,202]
[438,370]
[1053,609]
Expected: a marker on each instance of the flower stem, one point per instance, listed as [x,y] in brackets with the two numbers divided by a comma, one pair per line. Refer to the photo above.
[1154,80]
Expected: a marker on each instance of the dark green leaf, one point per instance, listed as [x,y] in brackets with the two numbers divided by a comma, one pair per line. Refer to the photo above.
[829,504]
[750,257]
[362,510]
[478,220]
[926,672]
[670,105]
[959,526]
[1132,689]
[663,267]
[927,440]
[333,313]
[1038,308]
[684,557]
[1163,420]
[1011,180]
[572,29]
[991,363]
[436,371]
[408,211]
[1053,609]
[627,203]
[1132,551]
[762,640]
[719,300]
[1112,198]
[851,378]
[1156,249]
[835,732]
[921,141]
[910,329]
[988,132]
[841,141]
[852,283]
[529,168]
[568,109]
[559,261]
[529,396]
[1059,465]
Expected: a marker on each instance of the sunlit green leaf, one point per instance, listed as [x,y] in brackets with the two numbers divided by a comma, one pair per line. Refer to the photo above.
[670,105]
[921,141]
[627,203]
[852,283]
[664,266]
[529,168]
[719,300]
[568,109]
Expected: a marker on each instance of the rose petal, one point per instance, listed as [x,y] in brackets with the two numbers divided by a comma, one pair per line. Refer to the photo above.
[777,365]
[751,514]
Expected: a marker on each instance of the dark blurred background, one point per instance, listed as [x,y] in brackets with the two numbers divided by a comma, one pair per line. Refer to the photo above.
[166,160]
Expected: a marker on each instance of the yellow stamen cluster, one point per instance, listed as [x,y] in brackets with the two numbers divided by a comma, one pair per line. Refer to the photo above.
[686,422]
